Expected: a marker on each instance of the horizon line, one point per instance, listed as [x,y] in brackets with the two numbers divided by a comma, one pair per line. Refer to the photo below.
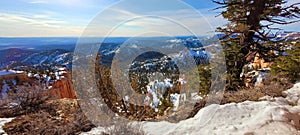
[94,36]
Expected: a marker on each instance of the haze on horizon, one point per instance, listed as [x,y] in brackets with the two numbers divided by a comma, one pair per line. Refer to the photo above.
[69,18]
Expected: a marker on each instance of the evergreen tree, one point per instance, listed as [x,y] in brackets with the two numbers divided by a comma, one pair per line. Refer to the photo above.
[248,30]
[289,65]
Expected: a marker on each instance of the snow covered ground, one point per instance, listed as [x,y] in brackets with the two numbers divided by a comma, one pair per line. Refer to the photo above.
[263,117]
[5,73]
[94,131]
[271,116]
[9,72]
[2,122]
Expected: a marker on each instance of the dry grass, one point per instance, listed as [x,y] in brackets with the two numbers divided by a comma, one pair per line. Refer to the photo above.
[273,87]
[26,100]
[37,112]
[60,117]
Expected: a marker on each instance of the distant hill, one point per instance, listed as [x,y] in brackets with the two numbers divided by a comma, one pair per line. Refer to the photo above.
[12,55]
[58,51]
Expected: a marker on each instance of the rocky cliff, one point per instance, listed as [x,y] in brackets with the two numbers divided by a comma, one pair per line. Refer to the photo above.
[63,88]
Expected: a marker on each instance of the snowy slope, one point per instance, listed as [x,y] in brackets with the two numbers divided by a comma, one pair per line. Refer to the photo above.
[52,57]
[257,117]
[264,117]
[268,117]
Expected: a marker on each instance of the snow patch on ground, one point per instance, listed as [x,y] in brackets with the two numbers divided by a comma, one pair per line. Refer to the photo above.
[94,131]
[2,122]
[2,73]
[263,118]
[240,118]
[9,72]
[293,94]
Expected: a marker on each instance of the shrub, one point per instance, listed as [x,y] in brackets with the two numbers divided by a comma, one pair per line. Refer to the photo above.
[200,79]
[273,87]
[56,117]
[26,99]
[288,66]
[44,123]
[37,111]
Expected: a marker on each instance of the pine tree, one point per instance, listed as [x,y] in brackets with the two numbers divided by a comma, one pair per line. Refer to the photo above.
[249,28]
[289,65]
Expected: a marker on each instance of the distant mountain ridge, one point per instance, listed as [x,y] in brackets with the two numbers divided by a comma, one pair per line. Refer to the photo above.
[47,52]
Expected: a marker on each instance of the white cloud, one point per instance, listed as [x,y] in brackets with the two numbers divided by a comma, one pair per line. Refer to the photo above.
[172,22]
[29,20]
[38,2]
[30,24]
[20,25]
[69,3]
[41,16]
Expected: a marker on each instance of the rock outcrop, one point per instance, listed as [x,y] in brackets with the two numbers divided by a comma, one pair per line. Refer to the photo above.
[63,88]
[254,73]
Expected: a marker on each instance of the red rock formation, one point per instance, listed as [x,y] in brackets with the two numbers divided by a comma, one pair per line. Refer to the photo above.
[260,62]
[64,88]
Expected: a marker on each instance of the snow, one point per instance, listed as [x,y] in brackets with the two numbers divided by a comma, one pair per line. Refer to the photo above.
[154,96]
[37,76]
[48,78]
[134,46]
[94,131]
[5,87]
[19,72]
[293,94]
[168,83]
[29,75]
[195,96]
[175,40]
[62,69]
[259,80]
[2,122]
[62,72]
[230,119]
[61,57]
[11,105]
[182,81]
[175,98]
[261,117]
[43,60]
[198,53]
[6,73]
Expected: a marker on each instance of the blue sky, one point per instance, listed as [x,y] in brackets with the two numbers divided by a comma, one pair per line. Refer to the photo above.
[43,18]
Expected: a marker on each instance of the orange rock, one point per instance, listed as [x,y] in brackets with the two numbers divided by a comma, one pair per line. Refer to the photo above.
[64,88]
[260,62]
